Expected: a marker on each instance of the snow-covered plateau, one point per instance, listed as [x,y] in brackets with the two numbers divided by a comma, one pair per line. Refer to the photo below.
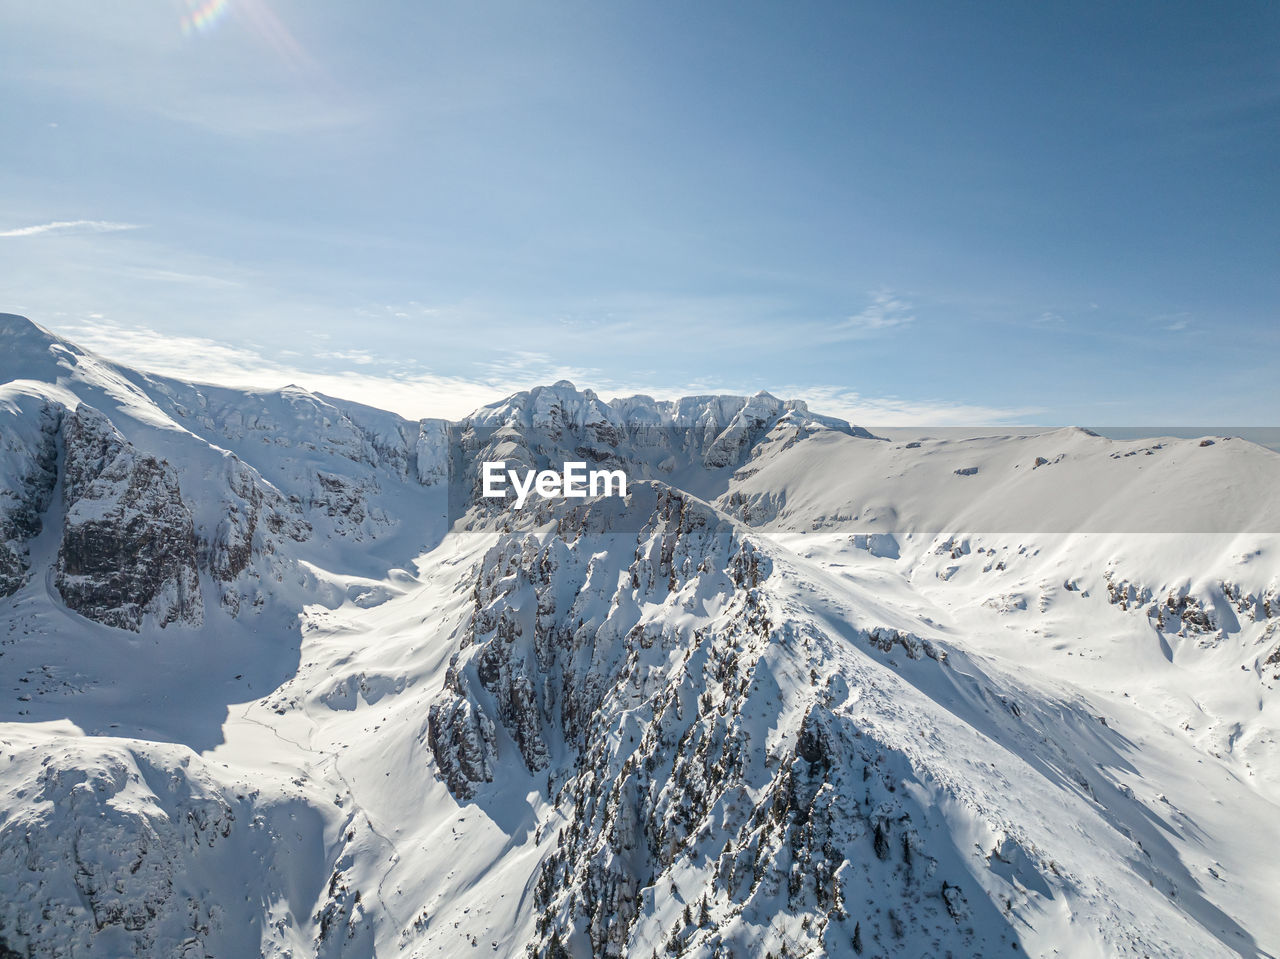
[265,689]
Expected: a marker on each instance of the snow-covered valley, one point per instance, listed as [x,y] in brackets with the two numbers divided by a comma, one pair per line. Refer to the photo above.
[807,691]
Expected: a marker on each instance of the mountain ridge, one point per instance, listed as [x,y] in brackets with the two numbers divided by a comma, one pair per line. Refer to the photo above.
[803,689]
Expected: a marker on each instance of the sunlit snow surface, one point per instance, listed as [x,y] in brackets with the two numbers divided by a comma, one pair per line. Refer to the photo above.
[1010,689]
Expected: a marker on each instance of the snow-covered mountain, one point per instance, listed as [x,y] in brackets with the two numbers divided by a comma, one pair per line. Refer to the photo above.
[806,691]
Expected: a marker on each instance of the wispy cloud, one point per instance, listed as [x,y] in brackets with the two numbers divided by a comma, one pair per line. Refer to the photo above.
[886,411]
[529,367]
[1174,322]
[359,357]
[886,311]
[177,276]
[63,227]
[416,392]
[204,360]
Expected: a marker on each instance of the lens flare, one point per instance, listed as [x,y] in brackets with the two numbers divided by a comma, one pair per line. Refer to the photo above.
[204,15]
[256,17]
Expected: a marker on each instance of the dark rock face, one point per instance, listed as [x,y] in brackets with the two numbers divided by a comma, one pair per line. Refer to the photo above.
[128,545]
[651,738]
[534,649]
[345,501]
[255,521]
[23,503]
[463,741]
[538,652]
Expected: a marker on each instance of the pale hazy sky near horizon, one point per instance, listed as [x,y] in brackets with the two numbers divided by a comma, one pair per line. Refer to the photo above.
[902,212]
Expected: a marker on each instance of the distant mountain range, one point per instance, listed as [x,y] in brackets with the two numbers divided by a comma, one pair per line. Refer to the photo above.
[275,681]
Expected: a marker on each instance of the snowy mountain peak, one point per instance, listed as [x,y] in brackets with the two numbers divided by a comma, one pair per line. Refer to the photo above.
[28,350]
[803,691]
[15,325]
[563,405]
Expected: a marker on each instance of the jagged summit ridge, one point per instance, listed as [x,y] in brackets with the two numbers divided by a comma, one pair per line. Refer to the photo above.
[562,404]
[679,440]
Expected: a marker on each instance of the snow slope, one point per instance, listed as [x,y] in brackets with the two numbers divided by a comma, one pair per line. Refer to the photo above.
[806,692]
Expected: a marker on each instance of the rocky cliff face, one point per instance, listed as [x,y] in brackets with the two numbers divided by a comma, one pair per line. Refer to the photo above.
[29,452]
[263,477]
[672,762]
[551,630]
[257,523]
[651,437]
[128,546]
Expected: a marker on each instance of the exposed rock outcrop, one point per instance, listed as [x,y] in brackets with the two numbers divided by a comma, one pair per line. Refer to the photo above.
[109,857]
[664,765]
[257,520]
[128,546]
[29,448]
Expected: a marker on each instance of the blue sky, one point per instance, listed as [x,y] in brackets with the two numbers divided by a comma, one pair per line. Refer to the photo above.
[906,212]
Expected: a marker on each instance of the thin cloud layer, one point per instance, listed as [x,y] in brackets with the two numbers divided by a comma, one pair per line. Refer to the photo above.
[203,360]
[888,411]
[63,227]
[886,311]
[415,394]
